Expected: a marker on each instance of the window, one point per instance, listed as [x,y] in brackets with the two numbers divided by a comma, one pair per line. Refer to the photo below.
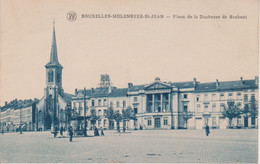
[149,122]
[222,97]
[185,108]
[74,105]
[93,102]
[99,112]
[213,96]
[214,123]
[253,96]
[206,97]
[206,108]
[99,123]
[198,108]
[135,110]
[239,95]
[99,102]
[111,104]
[124,104]
[214,107]
[245,97]
[197,98]
[105,123]
[117,104]
[222,106]
[230,95]
[80,104]
[185,96]
[135,99]
[105,102]
[165,121]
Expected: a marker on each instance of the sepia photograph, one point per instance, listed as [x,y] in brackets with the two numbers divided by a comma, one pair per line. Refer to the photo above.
[129,81]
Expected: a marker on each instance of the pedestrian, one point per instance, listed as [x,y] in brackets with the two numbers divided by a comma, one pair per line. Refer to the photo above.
[102,132]
[123,128]
[207,130]
[55,132]
[61,131]
[71,133]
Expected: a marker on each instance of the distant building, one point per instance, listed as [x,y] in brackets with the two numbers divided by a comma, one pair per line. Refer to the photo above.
[19,113]
[161,105]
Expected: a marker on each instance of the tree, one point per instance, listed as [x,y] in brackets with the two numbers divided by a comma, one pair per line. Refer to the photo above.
[186,116]
[118,117]
[253,110]
[109,114]
[128,114]
[231,111]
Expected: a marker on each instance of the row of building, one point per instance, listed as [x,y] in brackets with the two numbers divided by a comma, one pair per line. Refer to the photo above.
[156,105]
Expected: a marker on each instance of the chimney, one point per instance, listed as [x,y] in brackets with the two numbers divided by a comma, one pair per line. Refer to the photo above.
[194,82]
[92,90]
[76,91]
[5,102]
[256,80]
[130,85]
[241,80]
[217,83]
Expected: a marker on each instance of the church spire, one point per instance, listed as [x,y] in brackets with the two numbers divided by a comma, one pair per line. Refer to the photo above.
[54,54]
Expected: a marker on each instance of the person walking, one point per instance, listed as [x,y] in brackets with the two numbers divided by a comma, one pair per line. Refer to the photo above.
[71,133]
[61,131]
[102,132]
[207,130]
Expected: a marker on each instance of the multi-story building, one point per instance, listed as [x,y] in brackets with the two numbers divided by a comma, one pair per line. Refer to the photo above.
[19,113]
[162,105]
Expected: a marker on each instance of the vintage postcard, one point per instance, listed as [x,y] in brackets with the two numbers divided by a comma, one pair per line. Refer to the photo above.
[129,81]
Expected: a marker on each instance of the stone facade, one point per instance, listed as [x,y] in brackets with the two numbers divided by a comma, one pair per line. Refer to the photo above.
[161,105]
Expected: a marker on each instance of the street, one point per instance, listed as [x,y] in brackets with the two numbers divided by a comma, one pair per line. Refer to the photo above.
[153,146]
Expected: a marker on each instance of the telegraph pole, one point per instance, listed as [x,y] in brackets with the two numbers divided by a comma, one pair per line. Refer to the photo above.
[85,119]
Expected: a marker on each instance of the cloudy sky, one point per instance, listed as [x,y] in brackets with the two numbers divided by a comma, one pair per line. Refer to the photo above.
[129,50]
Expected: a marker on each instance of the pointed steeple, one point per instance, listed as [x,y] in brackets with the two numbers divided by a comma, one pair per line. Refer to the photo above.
[54,55]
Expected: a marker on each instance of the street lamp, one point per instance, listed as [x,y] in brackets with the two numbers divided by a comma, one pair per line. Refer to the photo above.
[85,119]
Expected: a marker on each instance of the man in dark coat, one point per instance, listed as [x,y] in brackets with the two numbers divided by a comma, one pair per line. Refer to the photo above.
[71,133]
[61,131]
[207,130]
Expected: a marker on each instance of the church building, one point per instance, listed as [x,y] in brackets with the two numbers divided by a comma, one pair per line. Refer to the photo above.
[53,106]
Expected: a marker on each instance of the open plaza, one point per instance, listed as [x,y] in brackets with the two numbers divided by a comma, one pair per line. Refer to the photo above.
[153,146]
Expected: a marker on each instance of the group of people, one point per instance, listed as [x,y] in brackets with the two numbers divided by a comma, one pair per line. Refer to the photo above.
[96,133]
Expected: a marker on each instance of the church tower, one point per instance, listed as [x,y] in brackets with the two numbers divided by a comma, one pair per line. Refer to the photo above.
[54,69]
[53,86]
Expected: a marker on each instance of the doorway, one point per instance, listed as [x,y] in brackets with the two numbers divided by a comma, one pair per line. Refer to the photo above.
[157,123]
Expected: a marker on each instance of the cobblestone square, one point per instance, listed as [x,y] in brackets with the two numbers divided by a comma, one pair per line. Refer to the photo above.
[153,146]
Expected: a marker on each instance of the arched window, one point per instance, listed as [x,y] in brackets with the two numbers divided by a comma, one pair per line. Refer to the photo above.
[50,76]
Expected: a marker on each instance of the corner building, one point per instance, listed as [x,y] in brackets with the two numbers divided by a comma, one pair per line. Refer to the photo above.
[161,105]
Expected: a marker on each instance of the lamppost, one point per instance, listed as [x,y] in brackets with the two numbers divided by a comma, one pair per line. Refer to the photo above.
[85,119]
[21,131]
